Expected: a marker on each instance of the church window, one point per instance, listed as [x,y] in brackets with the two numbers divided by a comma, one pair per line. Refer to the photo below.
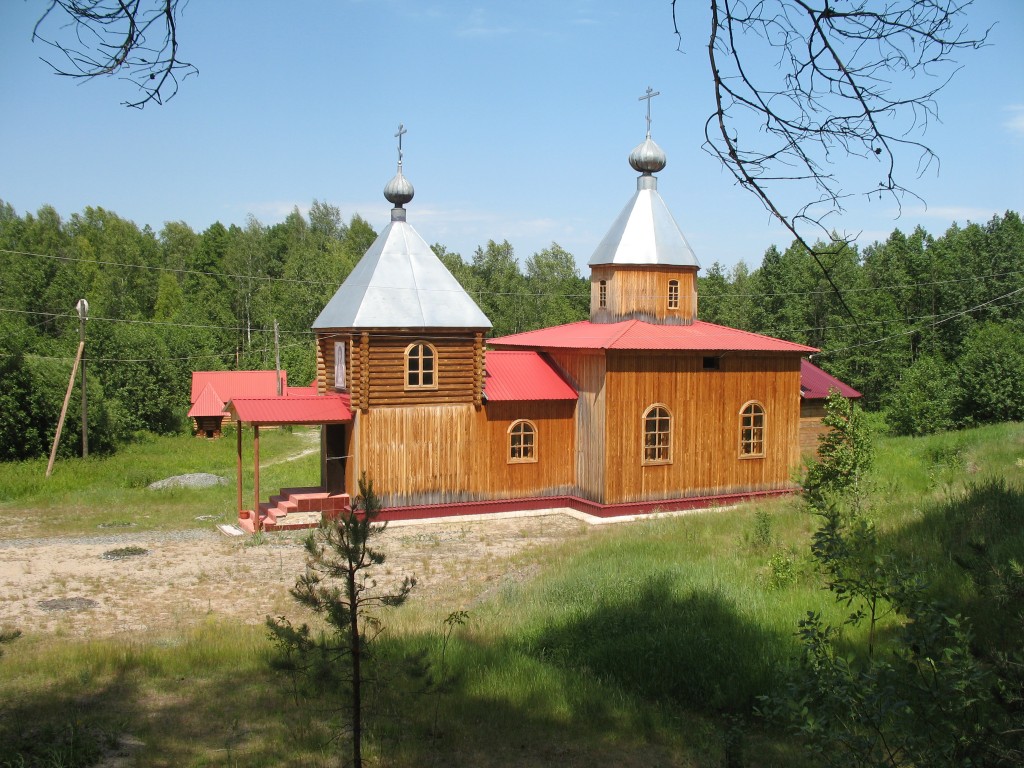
[657,435]
[602,294]
[522,442]
[752,430]
[420,366]
[339,365]
[673,294]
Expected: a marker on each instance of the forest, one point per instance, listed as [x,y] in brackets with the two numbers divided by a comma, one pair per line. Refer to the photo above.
[929,328]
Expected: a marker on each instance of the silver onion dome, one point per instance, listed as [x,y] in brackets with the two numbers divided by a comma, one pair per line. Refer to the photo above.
[647,157]
[399,190]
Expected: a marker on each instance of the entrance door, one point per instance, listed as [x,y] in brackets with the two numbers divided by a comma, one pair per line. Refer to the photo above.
[336,448]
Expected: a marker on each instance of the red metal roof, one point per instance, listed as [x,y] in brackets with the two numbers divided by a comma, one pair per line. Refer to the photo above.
[207,404]
[231,384]
[303,409]
[815,384]
[517,376]
[638,335]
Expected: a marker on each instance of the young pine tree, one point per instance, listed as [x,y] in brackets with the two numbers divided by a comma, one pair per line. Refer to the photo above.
[338,586]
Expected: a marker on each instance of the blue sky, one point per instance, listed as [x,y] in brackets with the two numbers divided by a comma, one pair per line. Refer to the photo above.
[520,118]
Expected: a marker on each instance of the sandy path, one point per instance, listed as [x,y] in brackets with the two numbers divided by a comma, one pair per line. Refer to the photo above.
[187,576]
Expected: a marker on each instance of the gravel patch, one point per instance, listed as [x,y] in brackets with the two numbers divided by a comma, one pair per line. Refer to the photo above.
[68,604]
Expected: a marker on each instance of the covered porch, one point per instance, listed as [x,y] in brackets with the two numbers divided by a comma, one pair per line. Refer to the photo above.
[293,508]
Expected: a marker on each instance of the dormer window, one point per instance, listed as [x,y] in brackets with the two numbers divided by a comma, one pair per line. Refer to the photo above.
[602,294]
[420,366]
[673,294]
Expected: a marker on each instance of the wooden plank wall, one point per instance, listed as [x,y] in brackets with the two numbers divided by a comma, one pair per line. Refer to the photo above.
[586,372]
[456,452]
[705,407]
[554,471]
[642,293]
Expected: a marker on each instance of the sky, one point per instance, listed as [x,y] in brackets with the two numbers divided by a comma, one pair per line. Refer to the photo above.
[520,118]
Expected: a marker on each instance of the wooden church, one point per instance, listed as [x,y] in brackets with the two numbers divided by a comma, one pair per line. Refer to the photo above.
[642,406]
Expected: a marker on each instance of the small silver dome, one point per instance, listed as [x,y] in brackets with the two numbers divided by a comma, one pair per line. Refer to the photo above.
[648,157]
[399,190]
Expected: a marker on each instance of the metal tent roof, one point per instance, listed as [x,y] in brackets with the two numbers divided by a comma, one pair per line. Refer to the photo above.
[400,283]
[645,233]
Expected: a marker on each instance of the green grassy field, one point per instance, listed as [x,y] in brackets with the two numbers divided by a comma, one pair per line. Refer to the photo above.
[82,494]
[643,644]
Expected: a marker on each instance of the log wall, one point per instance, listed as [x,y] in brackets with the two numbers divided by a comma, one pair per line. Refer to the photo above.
[705,407]
[641,293]
[375,367]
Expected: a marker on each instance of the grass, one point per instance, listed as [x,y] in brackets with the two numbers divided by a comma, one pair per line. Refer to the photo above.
[111,491]
[641,644]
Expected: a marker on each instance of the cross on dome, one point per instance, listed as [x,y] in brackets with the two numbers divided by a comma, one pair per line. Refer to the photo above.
[650,94]
[402,131]
[399,190]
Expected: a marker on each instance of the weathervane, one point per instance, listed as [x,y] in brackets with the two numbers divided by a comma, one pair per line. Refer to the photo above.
[651,93]
[402,132]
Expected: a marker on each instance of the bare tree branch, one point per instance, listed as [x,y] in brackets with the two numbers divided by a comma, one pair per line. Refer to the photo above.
[136,40]
[799,84]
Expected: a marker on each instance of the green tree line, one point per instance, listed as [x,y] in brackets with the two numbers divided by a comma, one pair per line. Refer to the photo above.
[935,333]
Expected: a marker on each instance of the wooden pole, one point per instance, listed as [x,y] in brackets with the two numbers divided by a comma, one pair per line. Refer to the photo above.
[256,478]
[277,360]
[83,313]
[238,432]
[64,408]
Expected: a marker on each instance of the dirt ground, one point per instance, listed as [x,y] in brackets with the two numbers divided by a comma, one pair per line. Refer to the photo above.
[72,587]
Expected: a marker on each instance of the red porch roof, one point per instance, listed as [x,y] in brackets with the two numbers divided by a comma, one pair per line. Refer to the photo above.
[526,375]
[302,409]
[207,404]
[638,335]
[815,384]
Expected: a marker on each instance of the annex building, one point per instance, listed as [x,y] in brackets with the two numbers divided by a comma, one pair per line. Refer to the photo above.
[641,406]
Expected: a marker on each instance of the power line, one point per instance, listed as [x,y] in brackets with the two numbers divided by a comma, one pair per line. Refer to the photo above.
[477,292]
[946,319]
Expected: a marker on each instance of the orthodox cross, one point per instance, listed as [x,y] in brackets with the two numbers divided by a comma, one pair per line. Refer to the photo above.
[651,93]
[402,132]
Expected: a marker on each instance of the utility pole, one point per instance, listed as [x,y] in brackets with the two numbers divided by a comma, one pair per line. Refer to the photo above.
[83,309]
[277,360]
[83,314]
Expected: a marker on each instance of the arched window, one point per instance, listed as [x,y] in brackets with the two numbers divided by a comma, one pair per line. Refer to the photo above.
[657,435]
[602,294]
[420,366]
[522,442]
[752,430]
[673,294]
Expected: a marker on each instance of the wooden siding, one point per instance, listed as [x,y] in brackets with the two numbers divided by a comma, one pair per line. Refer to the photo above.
[553,473]
[456,452]
[705,408]
[641,293]
[586,372]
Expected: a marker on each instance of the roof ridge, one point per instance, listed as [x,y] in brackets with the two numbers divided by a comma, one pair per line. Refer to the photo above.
[629,326]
